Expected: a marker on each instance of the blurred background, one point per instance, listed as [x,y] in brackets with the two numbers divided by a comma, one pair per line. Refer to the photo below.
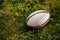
[13,14]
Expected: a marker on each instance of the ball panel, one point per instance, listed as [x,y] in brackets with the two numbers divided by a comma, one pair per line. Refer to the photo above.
[39,11]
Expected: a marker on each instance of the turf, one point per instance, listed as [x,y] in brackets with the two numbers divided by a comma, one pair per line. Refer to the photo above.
[13,14]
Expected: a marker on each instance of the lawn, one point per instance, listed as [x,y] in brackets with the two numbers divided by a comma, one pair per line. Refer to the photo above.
[13,14]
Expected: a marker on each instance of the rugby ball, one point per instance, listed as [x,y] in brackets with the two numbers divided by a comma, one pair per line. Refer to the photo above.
[38,19]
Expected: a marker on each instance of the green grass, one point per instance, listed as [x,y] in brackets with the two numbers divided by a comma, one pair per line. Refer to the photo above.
[13,14]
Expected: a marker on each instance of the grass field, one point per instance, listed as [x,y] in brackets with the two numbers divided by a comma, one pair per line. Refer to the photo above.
[13,14]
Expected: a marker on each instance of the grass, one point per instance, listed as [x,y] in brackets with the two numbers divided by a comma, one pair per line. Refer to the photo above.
[13,14]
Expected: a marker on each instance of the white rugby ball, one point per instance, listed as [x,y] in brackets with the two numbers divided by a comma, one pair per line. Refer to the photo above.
[38,18]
